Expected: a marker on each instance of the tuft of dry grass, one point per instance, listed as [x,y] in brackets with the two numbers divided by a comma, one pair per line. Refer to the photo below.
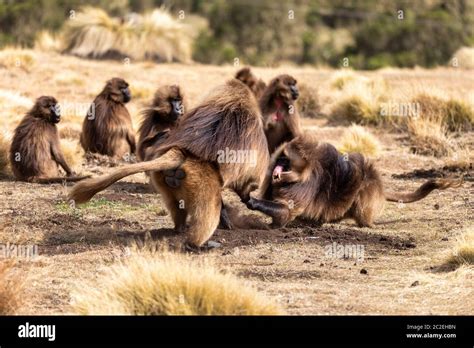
[12,57]
[170,284]
[463,58]
[70,130]
[454,114]
[73,152]
[429,137]
[359,139]
[342,77]
[463,252]
[360,101]
[4,148]
[48,42]
[10,290]
[155,35]
[308,102]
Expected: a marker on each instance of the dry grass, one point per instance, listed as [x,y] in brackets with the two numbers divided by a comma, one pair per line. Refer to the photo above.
[463,252]
[10,289]
[429,137]
[4,147]
[73,152]
[48,42]
[69,130]
[454,114]
[360,100]
[170,284]
[17,58]
[342,77]
[359,139]
[155,35]
[308,102]
[463,58]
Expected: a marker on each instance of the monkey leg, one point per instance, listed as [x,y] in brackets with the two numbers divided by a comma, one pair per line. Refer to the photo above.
[204,219]
[177,213]
[225,221]
[280,212]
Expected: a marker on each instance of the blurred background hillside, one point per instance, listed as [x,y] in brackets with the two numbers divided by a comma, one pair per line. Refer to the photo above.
[370,33]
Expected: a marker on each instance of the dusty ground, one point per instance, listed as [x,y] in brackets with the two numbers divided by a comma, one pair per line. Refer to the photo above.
[403,269]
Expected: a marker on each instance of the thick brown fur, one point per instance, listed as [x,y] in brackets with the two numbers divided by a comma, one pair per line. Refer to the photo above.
[256,85]
[312,180]
[35,152]
[162,116]
[280,116]
[228,118]
[107,128]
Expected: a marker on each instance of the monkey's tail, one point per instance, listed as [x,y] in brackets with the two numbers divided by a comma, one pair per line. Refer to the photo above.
[423,191]
[85,190]
[60,179]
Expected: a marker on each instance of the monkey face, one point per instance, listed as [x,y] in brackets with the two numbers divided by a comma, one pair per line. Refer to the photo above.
[49,109]
[289,166]
[177,108]
[285,88]
[118,90]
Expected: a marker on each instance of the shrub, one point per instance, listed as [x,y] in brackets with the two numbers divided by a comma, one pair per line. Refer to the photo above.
[308,102]
[463,58]
[429,137]
[4,148]
[463,252]
[359,139]
[155,35]
[170,284]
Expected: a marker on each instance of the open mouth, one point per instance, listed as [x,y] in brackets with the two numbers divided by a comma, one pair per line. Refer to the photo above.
[282,167]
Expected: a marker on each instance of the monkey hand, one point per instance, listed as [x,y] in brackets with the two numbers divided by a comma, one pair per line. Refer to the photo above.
[251,203]
[173,177]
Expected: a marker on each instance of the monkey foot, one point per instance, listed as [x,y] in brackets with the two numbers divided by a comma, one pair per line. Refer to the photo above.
[203,248]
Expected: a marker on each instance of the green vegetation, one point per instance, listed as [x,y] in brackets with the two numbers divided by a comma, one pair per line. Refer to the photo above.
[369,34]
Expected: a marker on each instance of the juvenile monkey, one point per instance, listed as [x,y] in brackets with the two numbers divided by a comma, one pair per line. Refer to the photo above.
[107,128]
[35,153]
[227,120]
[256,85]
[162,116]
[314,181]
[281,119]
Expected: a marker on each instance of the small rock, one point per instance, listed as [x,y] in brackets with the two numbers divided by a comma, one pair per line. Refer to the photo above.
[436,206]
[363,271]
[445,239]
[212,245]
[227,252]
[321,264]
[306,261]
[415,283]
[264,257]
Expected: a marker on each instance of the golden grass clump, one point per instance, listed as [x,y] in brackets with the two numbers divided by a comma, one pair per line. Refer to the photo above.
[70,130]
[429,137]
[73,153]
[4,149]
[463,252]
[342,77]
[48,42]
[170,284]
[12,57]
[455,115]
[359,139]
[10,290]
[308,102]
[360,101]
[463,58]
[156,35]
